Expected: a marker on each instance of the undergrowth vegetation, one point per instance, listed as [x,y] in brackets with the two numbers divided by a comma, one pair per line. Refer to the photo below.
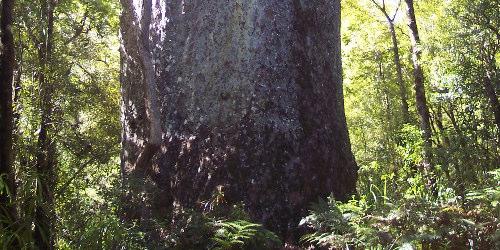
[210,230]
[396,206]
[409,223]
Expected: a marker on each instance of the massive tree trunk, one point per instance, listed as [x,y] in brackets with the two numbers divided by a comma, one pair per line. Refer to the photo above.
[240,96]
[45,161]
[7,61]
[421,100]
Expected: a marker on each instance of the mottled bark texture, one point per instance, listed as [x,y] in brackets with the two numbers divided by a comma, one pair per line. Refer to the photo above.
[7,61]
[249,100]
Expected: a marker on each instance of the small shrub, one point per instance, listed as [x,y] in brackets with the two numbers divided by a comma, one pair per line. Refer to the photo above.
[242,234]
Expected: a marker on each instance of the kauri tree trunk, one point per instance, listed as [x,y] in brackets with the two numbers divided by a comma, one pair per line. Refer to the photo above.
[240,96]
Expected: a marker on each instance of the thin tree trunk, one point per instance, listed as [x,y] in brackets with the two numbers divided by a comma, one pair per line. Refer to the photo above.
[439,123]
[490,92]
[7,62]
[434,128]
[403,94]
[421,100]
[461,138]
[402,86]
[45,164]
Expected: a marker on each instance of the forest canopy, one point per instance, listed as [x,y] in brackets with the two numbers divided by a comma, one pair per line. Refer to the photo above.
[277,124]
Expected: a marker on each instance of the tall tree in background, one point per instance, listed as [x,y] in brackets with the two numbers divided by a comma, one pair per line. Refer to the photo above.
[240,98]
[397,61]
[421,100]
[45,162]
[480,37]
[68,122]
[7,62]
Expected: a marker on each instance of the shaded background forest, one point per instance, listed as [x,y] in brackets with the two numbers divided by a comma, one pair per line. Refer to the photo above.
[67,114]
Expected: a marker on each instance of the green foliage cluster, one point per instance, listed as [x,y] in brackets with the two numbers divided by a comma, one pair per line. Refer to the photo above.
[210,230]
[82,79]
[395,207]
[102,231]
[407,223]
[242,234]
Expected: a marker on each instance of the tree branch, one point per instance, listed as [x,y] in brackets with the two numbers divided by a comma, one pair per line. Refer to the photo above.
[79,29]
[396,11]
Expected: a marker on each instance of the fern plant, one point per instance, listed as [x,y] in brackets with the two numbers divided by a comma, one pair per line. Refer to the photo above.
[331,221]
[241,234]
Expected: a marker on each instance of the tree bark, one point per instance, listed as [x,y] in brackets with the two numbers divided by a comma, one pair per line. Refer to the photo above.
[460,189]
[490,92]
[45,161]
[403,94]
[421,100]
[439,124]
[250,101]
[7,62]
